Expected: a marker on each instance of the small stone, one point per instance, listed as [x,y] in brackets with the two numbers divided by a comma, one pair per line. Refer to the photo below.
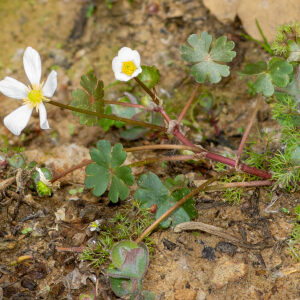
[78,239]
[226,247]
[201,295]
[228,271]
[28,283]
[185,294]
[208,253]
[168,244]
[7,245]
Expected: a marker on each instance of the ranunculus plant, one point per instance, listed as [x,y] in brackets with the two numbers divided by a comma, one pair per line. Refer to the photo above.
[171,200]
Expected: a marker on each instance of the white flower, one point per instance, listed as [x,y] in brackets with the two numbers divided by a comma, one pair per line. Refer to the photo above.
[33,96]
[95,226]
[127,64]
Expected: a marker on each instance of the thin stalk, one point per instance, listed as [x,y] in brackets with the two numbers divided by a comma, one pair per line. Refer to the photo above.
[84,163]
[111,117]
[229,185]
[164,147]
[154,99]
[147,90]
[150,160]
[188,104]
[177,205]
[213,156]
[242,167]
[247,131]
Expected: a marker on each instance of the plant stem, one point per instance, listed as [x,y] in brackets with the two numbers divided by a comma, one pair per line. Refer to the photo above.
[148,91]
[248,128]
[177,205]
[239,184]
[245,168]
[188,104]
[216,157]
[128,104]
[150,160]
[111,117]
[163,147]
[84,163]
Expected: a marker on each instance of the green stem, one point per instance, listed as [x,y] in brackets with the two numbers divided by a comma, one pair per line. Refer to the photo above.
[148,91]
[111,117]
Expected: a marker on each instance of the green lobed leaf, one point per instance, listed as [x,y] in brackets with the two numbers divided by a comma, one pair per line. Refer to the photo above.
[199,51]
[150,76]
[133,133]
[152,191]
[222,50]
[107,170]
[293,50]
[279,71]
[89,98]
[263,84]
[92,85]
[16,161]
[255,68]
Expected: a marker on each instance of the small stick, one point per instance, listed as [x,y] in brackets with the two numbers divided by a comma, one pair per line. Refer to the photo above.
[220,233]
[7,183]
[70,249]
[188,104]
[247,131]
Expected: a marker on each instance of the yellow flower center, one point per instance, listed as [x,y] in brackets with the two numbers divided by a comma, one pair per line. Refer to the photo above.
[128,67]
[35,97]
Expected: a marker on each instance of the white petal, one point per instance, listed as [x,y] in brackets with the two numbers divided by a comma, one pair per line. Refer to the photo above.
[122,77]
[50,84]
[136,72]
[32,65]
[125,54]
[13,88]
[136,58]
[43,117]
[17,120]
[116,65]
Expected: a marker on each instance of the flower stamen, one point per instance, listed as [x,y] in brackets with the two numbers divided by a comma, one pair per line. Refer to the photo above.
[35,96]
[128,67]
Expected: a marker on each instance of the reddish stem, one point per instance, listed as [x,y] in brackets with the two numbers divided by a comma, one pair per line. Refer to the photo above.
[214,123]
[188,104]
[84,163]
[247,131]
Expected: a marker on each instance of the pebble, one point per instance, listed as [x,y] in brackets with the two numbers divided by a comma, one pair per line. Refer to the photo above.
[185,294]
[227,271]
